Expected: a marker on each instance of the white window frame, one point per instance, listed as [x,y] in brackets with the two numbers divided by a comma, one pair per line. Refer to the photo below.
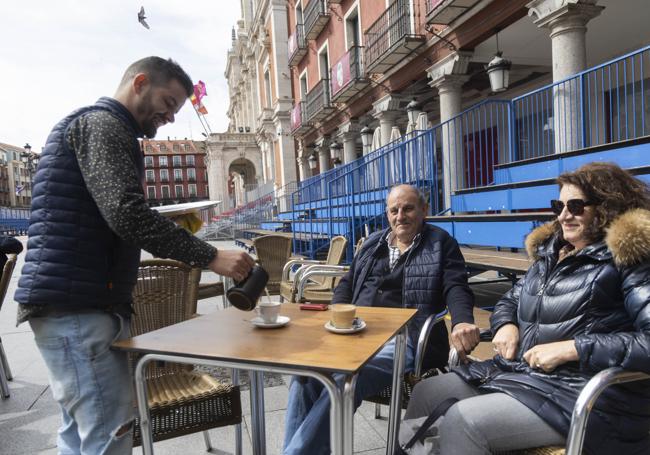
[149,188]
[189,190]
[303,96]
[355,7]
[164,172]
[163,159]
[295,13]
[190,160]
[178,172]
[320,51]
[162,192]
[176,187]
[149,172]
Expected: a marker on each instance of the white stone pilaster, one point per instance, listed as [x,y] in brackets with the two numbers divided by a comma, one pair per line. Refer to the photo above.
[448,77]
[348,134]
[387,110]
[567,22]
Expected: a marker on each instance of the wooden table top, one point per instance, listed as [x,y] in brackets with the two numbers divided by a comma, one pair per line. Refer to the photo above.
[496,260]
[303,343]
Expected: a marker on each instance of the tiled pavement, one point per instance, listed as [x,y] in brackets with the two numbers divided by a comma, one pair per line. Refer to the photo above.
[29,418]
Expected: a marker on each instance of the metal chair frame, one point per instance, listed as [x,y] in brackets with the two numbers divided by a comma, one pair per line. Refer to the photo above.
[5,371]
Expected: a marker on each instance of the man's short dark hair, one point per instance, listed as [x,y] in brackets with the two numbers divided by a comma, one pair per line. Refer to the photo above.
[160,72]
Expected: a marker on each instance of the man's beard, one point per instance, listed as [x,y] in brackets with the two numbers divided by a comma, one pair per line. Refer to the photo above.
[148,127]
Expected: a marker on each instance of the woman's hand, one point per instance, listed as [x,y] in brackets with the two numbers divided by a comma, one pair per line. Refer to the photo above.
[547,357]
[505,341]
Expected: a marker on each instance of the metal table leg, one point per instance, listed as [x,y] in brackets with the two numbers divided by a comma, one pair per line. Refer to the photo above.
[143,408]
[257,412]
[348,414]
[399,362]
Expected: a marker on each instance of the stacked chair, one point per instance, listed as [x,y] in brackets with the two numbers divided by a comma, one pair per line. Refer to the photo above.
[181,400]
[323,282]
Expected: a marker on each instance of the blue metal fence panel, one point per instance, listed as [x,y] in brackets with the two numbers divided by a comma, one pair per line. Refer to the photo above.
[507,234]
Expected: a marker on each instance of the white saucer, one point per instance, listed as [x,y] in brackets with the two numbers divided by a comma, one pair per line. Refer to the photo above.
[259,322]
[359,328]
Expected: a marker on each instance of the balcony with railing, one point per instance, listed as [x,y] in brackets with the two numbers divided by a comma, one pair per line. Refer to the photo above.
[347,75]
[298,123]
[316,17]
[297,45]
[446,11]
[318,104]
[391,38]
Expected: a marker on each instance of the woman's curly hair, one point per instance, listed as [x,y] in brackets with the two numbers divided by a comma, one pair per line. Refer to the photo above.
[612,190]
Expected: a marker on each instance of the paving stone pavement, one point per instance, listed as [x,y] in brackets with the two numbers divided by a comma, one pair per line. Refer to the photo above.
[29,418]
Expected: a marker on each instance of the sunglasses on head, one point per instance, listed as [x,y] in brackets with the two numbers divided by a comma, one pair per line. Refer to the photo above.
[575,207]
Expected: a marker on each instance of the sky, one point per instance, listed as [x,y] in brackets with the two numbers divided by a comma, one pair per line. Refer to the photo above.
[58,55]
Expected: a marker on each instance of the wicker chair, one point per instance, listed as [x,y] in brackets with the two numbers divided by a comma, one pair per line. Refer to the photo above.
[273,252]
[334,257]
[181,401]
[5,371]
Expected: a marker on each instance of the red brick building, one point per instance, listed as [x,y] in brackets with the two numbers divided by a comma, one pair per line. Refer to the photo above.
[175,171]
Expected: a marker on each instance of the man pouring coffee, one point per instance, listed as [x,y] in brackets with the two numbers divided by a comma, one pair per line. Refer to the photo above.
[409,265]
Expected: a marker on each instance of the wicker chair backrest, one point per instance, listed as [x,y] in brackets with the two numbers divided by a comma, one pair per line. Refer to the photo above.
[164,294]
[273,252]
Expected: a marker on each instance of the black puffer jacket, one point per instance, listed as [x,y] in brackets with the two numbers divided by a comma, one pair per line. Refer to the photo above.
[600,298]
[434,277]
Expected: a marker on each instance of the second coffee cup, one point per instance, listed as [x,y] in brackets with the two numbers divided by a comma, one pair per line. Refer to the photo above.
[268,311]
[343,315]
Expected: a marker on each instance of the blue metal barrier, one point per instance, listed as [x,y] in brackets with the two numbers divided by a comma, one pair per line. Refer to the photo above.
[605,104]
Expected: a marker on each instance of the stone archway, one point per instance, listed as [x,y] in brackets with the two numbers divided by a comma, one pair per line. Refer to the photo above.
[242,178]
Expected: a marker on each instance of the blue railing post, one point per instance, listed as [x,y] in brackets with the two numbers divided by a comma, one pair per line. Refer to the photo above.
[329,208]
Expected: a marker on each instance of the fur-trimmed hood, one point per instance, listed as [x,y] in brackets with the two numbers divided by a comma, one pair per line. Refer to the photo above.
[628,238]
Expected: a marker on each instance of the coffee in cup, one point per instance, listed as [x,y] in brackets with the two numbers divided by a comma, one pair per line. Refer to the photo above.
[268,311]
[343,315]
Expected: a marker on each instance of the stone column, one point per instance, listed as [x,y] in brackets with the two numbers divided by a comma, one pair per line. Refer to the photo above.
[217,174]
[567,22]
[322,148]
[348,134]
[303,164]
[448,77]
[285,168]
[386,110]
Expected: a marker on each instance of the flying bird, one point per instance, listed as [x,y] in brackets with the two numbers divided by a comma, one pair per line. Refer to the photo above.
[142,17]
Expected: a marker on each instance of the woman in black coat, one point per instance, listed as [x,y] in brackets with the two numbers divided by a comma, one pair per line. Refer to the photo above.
[583,306]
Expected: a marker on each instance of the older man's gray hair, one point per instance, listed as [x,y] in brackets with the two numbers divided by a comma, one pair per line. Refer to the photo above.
[422,197]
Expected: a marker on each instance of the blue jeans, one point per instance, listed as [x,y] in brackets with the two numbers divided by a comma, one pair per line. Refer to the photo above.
[91,383]
[307,421]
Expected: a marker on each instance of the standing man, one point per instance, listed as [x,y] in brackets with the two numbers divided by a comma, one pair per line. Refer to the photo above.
[88,223]
[409,265]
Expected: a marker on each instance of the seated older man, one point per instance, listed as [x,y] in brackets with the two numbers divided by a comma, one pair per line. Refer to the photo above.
[409,265]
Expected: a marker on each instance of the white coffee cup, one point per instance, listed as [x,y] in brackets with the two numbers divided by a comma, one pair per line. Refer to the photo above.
[268,311]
